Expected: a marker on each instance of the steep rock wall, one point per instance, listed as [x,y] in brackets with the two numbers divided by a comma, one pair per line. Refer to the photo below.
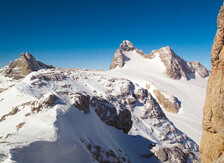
[212,143]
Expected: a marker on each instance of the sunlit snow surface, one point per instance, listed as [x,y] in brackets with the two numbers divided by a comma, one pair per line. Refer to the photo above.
[61,133]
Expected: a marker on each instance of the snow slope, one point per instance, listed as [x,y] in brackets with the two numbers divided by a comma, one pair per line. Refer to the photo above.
[191,93]
[41,123]
[61,133]
[69,115]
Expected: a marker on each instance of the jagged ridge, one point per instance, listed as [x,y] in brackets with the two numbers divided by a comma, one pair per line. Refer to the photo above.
[176,67]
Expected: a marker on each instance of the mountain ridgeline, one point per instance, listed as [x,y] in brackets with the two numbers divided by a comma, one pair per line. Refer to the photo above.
[176,67]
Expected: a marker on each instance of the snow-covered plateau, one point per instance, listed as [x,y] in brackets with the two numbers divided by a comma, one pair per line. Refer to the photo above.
[146,108]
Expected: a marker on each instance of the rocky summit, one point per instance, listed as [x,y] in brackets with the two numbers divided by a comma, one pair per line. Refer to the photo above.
[22,66]
[119,57]
[212,143]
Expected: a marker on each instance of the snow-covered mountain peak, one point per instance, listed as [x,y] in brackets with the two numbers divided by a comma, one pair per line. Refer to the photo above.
[175,66]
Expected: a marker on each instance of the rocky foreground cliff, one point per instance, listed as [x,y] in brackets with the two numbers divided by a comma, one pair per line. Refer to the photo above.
[212,143]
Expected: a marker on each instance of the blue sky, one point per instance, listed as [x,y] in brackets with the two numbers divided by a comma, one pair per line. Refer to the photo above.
[86,33]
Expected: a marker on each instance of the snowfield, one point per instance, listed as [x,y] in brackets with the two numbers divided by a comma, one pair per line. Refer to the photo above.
[71,115]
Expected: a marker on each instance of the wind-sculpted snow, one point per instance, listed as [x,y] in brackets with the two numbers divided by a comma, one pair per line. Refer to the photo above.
[67,115]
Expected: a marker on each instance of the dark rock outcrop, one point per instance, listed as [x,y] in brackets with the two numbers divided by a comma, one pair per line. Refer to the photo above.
[212,143]
[108,113]
[22,66]
[81,102]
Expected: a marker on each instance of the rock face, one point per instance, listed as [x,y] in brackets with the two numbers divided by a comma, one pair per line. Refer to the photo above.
[176,67]
[212,143]
[25,64]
